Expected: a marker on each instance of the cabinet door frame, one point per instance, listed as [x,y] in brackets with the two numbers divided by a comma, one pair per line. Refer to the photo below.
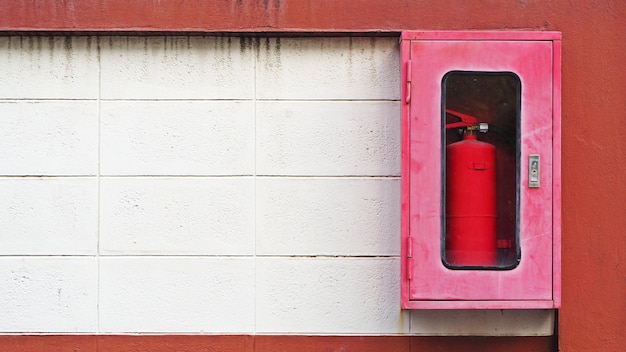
[535,58]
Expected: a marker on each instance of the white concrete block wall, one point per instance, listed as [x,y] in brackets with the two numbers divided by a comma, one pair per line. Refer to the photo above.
[177,216]
[329,138]
[42,137]
[329,295]
[204,185]
[49,216]
[177,138]
[177,294]
[48,294]
[44,67]
[167,68]
[327,216]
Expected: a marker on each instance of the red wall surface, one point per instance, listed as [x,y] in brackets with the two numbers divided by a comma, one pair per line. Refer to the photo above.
[593,313]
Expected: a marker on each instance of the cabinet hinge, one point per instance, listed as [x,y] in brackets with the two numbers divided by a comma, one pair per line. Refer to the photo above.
[407,97]
[409,257]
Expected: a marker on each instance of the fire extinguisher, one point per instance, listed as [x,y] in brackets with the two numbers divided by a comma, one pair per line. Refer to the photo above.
[470,197]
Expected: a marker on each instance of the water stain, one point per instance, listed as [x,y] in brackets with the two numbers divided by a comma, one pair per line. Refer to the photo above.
[67,42]
[277,52]
[268,47]
[69,57]
[256,46]
[88,43]
[51,45]
[145,46]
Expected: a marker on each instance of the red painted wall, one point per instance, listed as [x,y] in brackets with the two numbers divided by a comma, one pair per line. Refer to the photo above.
[593,315]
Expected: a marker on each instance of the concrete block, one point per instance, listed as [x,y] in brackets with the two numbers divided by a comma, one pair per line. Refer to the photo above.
[176,295]
[207,216]
[177,138]
[536,322]
[40,216]
[48,138]
[328,138]
[35,67]
[322,295]
[48,294]
[176,67]
[339,216]
[329,68]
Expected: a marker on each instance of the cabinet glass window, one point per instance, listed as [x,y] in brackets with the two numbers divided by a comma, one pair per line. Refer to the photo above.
[481,152]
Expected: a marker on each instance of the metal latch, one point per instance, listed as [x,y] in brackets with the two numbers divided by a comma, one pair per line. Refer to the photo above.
[534,170]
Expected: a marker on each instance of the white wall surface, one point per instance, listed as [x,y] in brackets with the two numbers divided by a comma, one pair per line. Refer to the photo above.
[207,185]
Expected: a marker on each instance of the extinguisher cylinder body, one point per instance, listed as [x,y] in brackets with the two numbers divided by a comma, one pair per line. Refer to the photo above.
[470,238]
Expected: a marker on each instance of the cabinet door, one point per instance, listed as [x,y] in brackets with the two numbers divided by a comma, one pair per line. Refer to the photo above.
[529,277]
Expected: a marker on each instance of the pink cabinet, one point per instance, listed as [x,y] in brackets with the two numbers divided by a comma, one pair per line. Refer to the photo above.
[481,179]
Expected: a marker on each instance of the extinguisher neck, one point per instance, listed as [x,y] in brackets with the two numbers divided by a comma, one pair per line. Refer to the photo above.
[469,132]
[471,136]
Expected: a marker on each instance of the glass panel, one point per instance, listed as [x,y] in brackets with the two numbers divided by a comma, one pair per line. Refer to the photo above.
[480,199]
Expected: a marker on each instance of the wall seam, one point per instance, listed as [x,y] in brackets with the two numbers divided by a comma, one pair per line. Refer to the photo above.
[99,190]
[254,208]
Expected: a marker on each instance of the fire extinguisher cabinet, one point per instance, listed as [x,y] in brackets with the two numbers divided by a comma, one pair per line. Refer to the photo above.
[481,179]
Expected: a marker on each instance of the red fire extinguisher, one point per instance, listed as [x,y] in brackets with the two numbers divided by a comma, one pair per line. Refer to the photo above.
[470,197]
